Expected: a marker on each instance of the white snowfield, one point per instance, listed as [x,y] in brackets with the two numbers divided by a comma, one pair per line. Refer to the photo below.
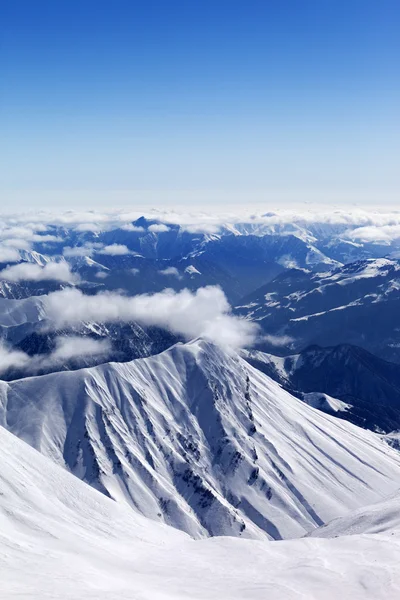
[61,539]
[197,438]
[382,517]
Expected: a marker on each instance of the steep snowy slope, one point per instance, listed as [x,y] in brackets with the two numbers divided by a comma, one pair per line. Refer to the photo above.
[199,439]
[61,539]
[19,312]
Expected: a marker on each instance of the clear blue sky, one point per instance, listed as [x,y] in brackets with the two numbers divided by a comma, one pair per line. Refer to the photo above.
[295,97]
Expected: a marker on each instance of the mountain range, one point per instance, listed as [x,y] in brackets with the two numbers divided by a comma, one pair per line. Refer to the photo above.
[199,410]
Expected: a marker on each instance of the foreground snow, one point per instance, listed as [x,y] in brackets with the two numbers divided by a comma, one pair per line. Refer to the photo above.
[382,517]
[61,539]
[199,439]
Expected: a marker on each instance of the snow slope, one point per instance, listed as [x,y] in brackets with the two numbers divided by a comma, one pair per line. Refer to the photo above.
[382,517]
[61,539]
[199,439]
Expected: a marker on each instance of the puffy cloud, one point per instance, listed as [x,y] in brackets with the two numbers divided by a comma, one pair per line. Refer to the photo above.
[77,251]
[202,228]
[92,227]
[158,228]
[86,250]
[28,234]
[134,271]
[171,271]
[55,271]
[131,227]
[277,340]
[17,243]
[9,254]
[375,234]
[115,250]
[46,239]
[205,312]
[10,358]
[18,232]
[75,346]
[66,349]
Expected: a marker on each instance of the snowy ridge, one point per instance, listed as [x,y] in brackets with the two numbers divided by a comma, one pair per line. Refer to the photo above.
[197,438]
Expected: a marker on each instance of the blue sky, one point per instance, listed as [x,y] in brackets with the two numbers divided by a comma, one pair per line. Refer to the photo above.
[223,99]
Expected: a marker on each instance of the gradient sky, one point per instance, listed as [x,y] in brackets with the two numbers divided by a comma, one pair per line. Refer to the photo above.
[198,100]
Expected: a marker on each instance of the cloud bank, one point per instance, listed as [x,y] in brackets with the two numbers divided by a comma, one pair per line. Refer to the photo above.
[171,271]
[115,250]
[66,348]
[52,271]
[205,313]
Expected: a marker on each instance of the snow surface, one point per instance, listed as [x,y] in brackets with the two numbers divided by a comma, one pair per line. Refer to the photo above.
[18,312]
[382,517]
[325,402]
[199,439]
[61,539]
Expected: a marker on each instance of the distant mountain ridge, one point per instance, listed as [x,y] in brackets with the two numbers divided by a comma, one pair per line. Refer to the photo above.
[355,304]
[368,385]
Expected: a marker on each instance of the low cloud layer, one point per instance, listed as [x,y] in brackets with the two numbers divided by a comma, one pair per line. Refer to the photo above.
[171,271]
[115,250]
[8,254]
[277,340]
[158,228]
[205,312]
[67,348]
[75,346]
[54,271]
[12,359]
[384,234]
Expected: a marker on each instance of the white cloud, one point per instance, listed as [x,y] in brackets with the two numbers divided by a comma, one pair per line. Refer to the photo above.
[70,252]
[66,348]
[158,228]
[33,272]
[131,227]
[9,254]
[10,358]
[134,271]
[19,232]
[17,243]
[205,312]
[101,275]
[86,250]
[115,250]
[271,216]
[375,234]
[92,227]
[46,238]
[76,346]
[28,234]
[171,271]
[277,340]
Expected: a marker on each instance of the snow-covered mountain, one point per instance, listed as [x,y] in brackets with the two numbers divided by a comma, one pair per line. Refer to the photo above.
[199,439]
[366,388]
[246,446]
[355,304]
